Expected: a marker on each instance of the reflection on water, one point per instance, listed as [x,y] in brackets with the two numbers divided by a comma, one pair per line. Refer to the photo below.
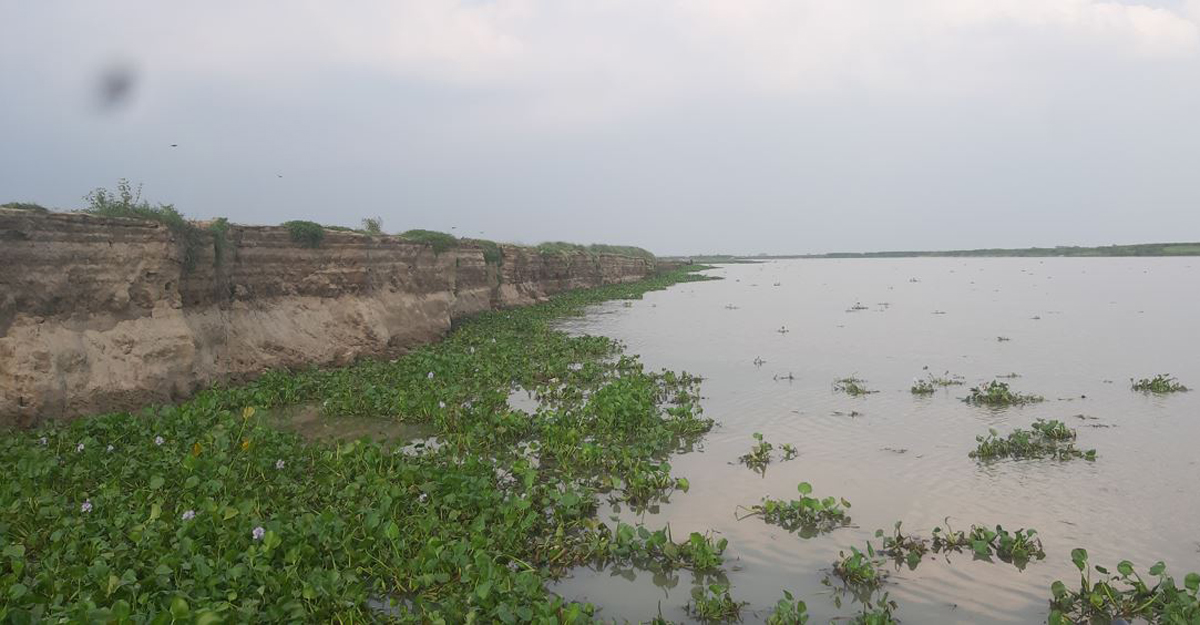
[1076,330]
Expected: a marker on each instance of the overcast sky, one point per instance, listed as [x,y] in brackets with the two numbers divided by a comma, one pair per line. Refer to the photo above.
[685,126]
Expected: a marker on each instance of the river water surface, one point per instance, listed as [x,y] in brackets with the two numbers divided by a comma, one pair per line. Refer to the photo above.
[1078,330]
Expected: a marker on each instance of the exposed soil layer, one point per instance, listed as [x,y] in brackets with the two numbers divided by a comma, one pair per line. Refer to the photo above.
[100,314]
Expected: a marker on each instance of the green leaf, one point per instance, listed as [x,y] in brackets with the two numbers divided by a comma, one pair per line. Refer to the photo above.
[483,590]
[1125,567]
[1192,581]
[179,608]
[804,487]
[156,482]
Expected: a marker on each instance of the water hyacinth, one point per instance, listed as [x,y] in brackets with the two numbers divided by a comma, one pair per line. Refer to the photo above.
[442,405]
[79,448]
[308,506]
[44,441]
[430,376]
[109,448]
[158,440]
[87,505]
[279,464]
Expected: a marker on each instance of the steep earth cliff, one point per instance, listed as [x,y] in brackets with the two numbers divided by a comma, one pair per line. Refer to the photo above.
[100,314]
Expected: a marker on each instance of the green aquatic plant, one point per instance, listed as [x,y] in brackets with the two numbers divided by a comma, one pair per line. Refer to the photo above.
[1125,595]
[900,546]
[807,513]
[1019,547]
[860,568]
[713,603]
[947,379]
[1045,439]
[852,386]
[788,611]
[922,387]
[1161,383]
[997,394]
[759,455]
[185,512]
[646,548]
[789,451]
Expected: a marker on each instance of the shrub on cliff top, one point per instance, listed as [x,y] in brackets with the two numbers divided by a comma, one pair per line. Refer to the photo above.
[127,202]
[561,247]
[440,241]
[373,225]
[621,250]
[26,206]
[492,254]
[306,233]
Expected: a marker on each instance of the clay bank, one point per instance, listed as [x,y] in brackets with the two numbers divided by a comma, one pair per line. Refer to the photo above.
[101,313]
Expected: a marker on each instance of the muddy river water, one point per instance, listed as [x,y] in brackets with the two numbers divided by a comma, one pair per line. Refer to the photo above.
[1077,330]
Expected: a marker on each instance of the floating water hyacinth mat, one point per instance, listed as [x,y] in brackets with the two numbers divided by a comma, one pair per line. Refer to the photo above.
[202,512]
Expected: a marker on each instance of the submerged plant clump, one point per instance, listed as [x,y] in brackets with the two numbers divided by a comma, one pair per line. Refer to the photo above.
[997,394]
[1161,383]
[788,611]
[713,603]
[922,387]
[809,514]
[204,512]
[759,455]
[653,549]
[852,386]
[1124,595]
[860,568]
[1052,439]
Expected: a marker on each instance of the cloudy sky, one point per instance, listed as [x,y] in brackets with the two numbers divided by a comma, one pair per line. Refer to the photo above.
[684,126]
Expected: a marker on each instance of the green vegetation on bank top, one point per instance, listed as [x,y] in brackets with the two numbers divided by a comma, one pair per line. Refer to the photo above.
[26,206]
[204,513]
[126,202]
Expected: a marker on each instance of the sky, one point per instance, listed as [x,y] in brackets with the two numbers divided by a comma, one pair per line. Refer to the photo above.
[683,126]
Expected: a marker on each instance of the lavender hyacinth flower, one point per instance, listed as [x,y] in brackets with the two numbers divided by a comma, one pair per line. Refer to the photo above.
[279,464]
[188,515]
[258,533]
[79,448]
[158,440]
[87,505]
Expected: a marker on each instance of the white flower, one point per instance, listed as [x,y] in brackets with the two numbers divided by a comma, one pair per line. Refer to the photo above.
[430,376]
[258,533]
[472,350]
[158,440]
[43,441]
[279,464]
[423,497]
[79,447]
[442,405]
[87,505]
[110,448]
[188,515]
